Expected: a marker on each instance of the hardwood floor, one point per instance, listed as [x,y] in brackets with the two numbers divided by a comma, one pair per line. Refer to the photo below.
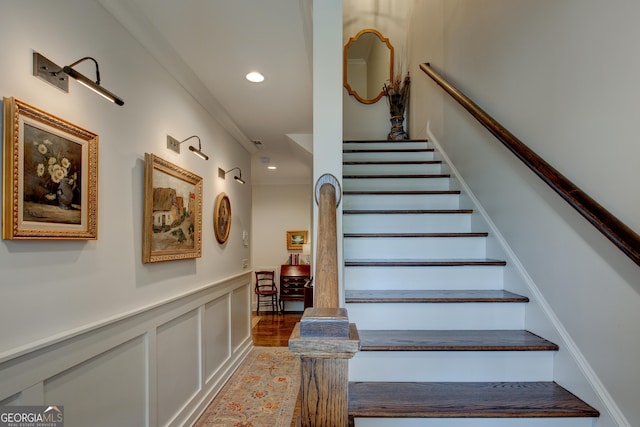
[273,330]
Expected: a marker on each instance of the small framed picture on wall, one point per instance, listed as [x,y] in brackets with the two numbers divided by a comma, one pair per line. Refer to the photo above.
[295,239]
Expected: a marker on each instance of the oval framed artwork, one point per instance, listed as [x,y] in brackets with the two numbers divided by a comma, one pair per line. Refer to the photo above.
[222,218]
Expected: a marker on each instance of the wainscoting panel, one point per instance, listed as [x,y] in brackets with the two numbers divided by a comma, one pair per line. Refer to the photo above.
[116,376]
[157,366]
[177,359]
[216,330]
[240,321]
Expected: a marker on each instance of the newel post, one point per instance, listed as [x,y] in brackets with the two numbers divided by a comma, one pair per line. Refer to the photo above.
[324,339]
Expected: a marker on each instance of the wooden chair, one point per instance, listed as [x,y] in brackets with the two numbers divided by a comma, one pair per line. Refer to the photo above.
[265,289]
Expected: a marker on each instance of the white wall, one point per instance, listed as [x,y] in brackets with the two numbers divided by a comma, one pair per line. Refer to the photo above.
[561,75]
[52,290]
[276,209]
[425,46]
[371,121]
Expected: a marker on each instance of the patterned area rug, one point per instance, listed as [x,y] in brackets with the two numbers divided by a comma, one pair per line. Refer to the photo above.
[261,393]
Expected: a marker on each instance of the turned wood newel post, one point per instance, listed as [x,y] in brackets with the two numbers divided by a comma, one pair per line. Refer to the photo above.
[324,339]
[326,283]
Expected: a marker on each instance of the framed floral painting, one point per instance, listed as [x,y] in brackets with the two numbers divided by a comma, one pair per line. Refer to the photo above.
[172,226]
[50,176]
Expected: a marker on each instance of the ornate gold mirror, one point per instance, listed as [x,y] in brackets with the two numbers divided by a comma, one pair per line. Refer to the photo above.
[368,64]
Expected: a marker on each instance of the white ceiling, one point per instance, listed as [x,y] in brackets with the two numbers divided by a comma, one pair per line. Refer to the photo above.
[210,45]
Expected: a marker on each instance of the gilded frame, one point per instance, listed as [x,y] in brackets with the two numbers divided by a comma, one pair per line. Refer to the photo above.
[172,222]
[222,218]
[50,176]
[345,65]
[297,238]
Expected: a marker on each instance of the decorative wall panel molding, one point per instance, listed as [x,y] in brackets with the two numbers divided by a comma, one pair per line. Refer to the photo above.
[175,355]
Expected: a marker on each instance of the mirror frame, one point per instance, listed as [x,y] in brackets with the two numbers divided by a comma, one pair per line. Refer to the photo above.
[346,58]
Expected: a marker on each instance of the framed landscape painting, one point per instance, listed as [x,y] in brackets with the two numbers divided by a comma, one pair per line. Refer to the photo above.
[50,176]
[295,239]
[172,227]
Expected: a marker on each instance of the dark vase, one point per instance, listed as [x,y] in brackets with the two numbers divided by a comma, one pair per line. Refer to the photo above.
[397,129]
[65,194]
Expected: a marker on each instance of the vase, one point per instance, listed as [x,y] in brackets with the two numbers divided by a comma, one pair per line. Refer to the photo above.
[65,194]
[397,129]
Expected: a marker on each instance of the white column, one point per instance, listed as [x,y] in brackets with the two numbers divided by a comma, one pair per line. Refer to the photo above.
[327,102]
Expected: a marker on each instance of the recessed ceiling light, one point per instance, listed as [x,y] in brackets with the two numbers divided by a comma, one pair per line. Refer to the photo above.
[272,167]
[255,77]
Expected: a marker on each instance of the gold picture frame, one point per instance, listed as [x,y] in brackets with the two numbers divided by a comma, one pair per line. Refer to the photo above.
[172,226]
[297,238]
[222,218]
[50,176]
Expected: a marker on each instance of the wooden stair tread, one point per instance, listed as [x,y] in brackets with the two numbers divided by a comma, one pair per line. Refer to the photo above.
[402,176]
[381,141]
[407,211]
[432,296]
[393,162]
[390,150]
[365,235]
[453,340]
[464,400]
[399,192]
[423,262]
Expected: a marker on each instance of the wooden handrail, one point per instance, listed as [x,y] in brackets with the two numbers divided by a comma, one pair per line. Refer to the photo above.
[627,240]
[326,289]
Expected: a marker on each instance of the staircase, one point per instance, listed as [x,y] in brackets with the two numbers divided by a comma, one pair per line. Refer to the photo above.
[442,342]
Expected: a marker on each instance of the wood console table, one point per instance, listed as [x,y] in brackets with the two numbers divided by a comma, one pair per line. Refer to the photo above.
[292,281]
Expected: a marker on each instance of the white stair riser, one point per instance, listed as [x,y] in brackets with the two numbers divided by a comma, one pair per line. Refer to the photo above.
[398,168]
[385,145]
[382,248]
[431,278]
[452,366]
[474,422]
[401,201]
[453,316]
[388,156]
[395,184]
[406,223]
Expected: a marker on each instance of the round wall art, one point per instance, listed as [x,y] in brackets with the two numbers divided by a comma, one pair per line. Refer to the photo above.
[222,218]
